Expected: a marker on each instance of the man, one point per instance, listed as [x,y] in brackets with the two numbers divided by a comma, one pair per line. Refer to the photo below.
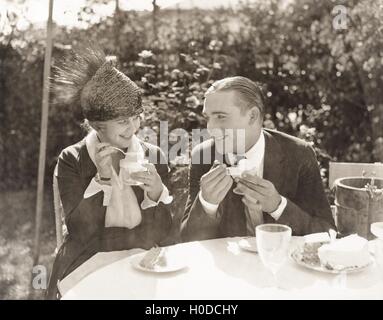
[282,186]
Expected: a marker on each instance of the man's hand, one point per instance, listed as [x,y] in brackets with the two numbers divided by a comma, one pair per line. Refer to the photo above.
[152,182]
[215,184]
[258,192]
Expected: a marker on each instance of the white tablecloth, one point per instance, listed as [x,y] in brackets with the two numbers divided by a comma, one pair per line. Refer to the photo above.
[218,269]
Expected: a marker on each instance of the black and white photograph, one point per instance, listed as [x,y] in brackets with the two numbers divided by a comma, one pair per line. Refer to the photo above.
[184,150]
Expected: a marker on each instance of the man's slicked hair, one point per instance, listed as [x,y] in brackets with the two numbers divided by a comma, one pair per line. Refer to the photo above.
[249,91]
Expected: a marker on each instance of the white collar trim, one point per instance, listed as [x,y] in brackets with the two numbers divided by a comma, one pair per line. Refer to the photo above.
[257,151]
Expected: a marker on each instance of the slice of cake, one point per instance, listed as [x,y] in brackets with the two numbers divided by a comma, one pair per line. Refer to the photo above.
[315,238]
[235,172]
[348,252]
[310,248]
[242,166]
[154,258]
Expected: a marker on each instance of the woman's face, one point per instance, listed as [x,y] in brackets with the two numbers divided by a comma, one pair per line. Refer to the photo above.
[118,132]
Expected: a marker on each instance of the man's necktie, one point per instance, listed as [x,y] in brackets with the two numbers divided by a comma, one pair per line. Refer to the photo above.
[254,216]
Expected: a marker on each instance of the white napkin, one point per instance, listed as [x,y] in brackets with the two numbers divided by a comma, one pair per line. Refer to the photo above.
[123,209]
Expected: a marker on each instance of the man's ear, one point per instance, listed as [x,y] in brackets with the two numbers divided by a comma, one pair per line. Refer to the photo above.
[255,115]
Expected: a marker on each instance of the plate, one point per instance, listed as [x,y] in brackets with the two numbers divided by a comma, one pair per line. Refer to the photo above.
[297,256]
[248,244]
[172,266]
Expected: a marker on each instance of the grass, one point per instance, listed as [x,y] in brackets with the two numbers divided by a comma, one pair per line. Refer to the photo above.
[17,215]
[17,212]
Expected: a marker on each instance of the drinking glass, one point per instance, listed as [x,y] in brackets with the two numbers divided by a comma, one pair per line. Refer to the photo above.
[273,242]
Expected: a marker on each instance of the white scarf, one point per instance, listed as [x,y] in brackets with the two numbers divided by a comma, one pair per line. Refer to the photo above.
[123,209]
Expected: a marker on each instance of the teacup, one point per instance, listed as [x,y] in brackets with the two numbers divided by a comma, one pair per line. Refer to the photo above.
[128,167]
[377,229]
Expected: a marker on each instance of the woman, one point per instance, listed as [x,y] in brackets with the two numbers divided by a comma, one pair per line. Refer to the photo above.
[101,212]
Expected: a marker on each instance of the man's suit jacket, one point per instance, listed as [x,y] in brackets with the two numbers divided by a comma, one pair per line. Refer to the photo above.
[85,218]
[290,164]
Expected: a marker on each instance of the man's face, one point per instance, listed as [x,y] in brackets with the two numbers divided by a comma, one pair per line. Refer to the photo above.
[229,124]
[119,132]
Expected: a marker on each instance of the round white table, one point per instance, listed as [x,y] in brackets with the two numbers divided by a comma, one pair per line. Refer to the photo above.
[217,269]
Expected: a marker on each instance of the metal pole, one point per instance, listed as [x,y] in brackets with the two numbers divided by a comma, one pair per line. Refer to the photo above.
[43,136]
[117,29]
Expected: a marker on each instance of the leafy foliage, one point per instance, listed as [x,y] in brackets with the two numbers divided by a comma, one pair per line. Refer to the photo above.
[321,83]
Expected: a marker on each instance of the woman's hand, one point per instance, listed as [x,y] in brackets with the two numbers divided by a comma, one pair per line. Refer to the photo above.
[103,159]
[152,182]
